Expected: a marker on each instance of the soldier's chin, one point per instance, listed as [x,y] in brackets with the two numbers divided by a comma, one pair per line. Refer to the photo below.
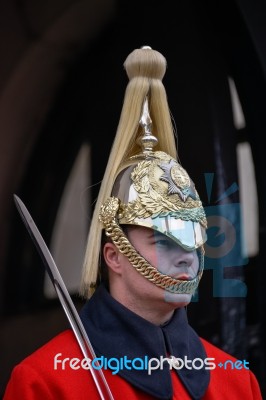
[180,299]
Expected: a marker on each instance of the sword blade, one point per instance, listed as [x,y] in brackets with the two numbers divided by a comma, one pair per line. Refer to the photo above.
[64,298]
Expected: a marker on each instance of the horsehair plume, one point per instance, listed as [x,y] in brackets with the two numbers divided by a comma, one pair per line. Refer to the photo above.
[145,69]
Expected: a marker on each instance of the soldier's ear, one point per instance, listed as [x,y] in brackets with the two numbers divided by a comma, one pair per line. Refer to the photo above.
[112,257]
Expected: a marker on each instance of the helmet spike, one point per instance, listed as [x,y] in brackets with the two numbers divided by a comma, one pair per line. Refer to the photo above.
[148,141]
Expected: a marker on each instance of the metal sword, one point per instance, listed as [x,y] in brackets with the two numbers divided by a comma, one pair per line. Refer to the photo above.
[65,300]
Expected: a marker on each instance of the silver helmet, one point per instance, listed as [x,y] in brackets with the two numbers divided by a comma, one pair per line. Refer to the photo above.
[153,190]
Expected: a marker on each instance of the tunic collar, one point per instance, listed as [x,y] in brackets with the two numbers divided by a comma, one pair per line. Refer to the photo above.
[115,331]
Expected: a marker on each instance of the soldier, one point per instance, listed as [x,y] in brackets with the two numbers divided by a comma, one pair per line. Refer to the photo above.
[143,263]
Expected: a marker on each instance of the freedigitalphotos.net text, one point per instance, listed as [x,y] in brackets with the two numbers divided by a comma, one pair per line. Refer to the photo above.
[144,363]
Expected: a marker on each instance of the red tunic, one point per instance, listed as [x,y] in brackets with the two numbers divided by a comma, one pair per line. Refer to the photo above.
[35,378]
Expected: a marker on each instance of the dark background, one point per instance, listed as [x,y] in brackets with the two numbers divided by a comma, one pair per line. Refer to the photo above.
[62,85]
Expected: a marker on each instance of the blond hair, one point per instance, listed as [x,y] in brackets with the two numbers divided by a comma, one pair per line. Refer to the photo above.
[145,69]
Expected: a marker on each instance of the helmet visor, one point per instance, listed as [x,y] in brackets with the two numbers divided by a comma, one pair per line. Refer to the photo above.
[188,234]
